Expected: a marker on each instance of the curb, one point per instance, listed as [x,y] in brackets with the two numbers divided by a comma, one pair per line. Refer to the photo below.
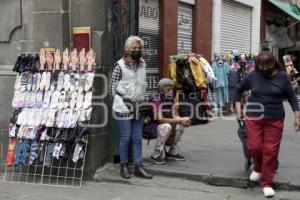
[235,182]
[213,180]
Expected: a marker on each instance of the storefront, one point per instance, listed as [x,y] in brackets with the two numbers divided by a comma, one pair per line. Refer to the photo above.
[156,21]
[280,27]
[185,28]
[148,30]
[236,25]
[151,25]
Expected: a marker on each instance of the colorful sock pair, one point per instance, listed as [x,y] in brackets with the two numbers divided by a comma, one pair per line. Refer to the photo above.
[11,152]
[22,153]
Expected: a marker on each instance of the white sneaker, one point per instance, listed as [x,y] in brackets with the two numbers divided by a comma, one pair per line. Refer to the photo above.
[268,192]
[255,176]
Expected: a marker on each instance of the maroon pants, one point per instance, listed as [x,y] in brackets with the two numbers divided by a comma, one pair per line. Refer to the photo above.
[264,137]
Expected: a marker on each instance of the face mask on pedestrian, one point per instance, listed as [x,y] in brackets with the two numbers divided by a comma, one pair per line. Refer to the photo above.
[136,54]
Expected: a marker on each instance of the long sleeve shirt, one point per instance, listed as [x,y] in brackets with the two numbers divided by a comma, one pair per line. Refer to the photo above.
[221,72]
[115,78]
[267,95]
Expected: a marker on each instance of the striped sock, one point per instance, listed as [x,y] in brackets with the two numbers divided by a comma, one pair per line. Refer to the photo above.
[33,152]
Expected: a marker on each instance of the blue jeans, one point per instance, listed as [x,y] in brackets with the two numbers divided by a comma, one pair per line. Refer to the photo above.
[130,131]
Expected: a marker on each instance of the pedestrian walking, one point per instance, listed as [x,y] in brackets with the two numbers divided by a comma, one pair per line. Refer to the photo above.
[264,115]
[128,87]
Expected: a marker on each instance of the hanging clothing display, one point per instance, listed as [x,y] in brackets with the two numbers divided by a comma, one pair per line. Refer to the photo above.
[52,104]
[221,72]
[191,87]
[211,78]
[233,77]
[239,67]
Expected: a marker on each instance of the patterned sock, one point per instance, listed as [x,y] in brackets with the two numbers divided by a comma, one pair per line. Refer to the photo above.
[49,153]
[56,150]
[33,152]
[19,153]
[11,152]
[26,153]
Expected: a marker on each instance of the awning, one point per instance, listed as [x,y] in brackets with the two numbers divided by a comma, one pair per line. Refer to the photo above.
[289,8]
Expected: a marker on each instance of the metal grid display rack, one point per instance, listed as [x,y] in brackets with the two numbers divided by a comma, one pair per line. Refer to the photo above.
[51,160]
[62,172]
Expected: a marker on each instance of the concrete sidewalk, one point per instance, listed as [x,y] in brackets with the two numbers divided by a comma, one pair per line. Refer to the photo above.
[214,156]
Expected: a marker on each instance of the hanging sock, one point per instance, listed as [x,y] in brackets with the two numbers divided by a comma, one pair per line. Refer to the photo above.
[62,151]
[82,154]
[33,152]
[26,153]
[48,159]
[13,129]
[42,152]
[69,151]
[77,151]
[56,150]
[11,152]
[19,153]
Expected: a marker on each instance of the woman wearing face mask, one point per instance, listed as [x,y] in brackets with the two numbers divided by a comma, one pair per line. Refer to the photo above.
[169,121]
[269,86]
[128,86]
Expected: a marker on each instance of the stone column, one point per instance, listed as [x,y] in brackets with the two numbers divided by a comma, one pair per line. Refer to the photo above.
[202,27]
[168,33]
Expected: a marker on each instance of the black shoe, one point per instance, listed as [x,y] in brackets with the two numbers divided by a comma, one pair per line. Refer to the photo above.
[140,172]
[125,172]
[159,160]
[177,157]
